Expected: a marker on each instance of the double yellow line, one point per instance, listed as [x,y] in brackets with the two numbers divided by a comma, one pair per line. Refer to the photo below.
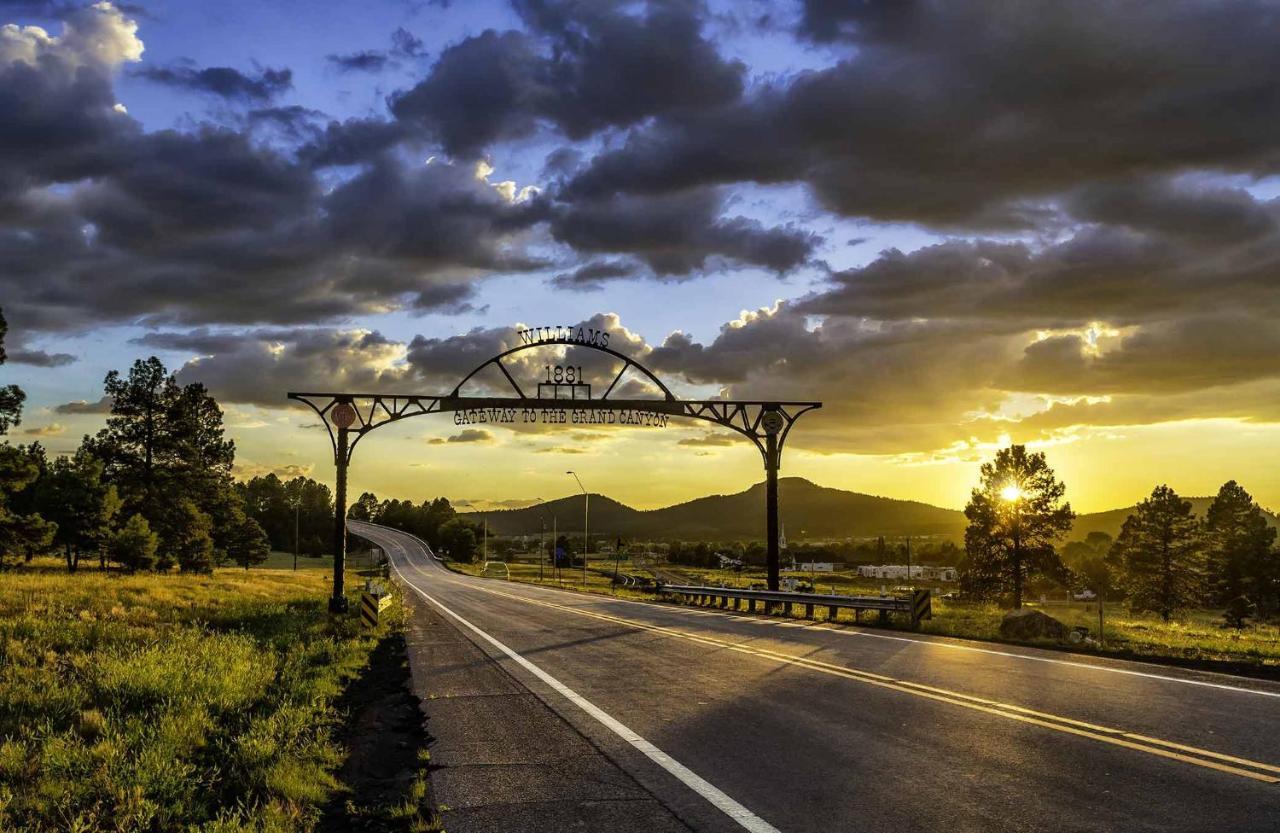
[1243,767]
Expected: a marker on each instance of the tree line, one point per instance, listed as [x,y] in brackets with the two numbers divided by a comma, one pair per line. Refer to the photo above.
[434,521]
[1164,560]
[152,490]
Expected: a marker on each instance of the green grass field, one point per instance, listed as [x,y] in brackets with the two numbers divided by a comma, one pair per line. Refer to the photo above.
[1197,636]
[167,702]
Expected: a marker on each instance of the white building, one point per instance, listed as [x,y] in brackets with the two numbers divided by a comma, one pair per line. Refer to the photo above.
[899,571]
[814,567]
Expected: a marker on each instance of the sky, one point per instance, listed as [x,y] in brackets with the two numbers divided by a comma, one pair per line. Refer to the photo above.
[957,224]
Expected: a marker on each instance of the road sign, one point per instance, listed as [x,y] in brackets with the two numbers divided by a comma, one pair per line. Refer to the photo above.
[343,415]
[371,607]
[921,606]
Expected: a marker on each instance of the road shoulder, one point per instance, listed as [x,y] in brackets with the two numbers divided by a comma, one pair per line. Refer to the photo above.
[503,760]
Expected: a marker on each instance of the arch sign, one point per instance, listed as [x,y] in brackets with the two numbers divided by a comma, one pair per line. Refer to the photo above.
[555,376]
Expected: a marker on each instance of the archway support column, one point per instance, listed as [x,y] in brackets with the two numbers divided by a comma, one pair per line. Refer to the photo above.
[771,507]
[338,601]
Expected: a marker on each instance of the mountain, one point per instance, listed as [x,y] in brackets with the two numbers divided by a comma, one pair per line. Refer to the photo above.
[806,510]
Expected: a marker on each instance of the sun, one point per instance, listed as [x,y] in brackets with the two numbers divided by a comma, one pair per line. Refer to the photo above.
[1011,493]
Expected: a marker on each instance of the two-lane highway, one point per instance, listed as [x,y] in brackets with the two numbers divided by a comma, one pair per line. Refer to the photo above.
[737,722]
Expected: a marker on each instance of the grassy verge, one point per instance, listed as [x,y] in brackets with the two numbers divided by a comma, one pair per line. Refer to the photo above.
[1197,638]
[156,703]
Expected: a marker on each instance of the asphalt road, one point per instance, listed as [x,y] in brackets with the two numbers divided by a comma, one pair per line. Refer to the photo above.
[736,722]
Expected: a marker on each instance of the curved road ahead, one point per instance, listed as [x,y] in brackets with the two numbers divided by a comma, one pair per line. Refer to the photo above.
[735,722]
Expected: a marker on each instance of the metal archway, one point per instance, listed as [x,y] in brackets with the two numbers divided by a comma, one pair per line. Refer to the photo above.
[767,423]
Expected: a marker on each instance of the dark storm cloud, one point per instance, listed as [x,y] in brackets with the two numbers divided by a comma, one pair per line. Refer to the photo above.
[39,358]
[1174,357]
[225,82]
[592,277]
[60,121]
[352,142]
[676,234]
[258,367]
[974,114]
[215,225]
[102,406]
[368,60]
[1157,261]
[404,45]
[581,67]
[434,216]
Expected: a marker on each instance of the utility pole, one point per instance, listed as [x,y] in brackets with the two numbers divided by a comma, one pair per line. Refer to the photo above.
[297,504]
[909,584]
[617,557]
[586,516]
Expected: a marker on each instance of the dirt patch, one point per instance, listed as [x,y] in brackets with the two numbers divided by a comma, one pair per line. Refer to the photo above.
[387,764]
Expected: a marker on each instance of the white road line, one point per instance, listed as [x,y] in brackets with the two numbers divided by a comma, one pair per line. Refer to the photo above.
[973,649]
[744,817]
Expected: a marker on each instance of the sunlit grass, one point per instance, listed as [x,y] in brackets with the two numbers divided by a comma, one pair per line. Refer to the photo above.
[151,703]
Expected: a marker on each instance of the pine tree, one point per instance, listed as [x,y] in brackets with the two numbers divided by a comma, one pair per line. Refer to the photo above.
[1015,516]
[11,396]
[74,496]
[21,530]
[133,546]
[1158,556]
[164,445]
[1239,542]
[248,543]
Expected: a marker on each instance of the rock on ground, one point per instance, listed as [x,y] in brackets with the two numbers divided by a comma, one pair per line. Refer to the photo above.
[1032,624]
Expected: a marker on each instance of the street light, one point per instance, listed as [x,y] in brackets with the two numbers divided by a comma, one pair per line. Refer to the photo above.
[542,538]
[586,514]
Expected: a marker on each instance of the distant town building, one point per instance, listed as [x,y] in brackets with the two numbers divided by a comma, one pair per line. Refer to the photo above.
[815,567]
[899,571]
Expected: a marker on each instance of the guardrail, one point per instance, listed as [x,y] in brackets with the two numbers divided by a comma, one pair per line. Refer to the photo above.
[917,606]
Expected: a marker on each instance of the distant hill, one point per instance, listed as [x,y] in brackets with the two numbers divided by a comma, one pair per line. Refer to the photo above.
[1111,520]
[808,510]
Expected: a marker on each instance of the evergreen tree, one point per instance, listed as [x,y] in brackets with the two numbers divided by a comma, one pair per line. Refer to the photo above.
[249,544]
[164,445]
[1157,555]
[11,396]
[1238,542]
[21,530]
[133,546]
[74,496]
[458,539]
[185,538]
[365,508]
[1015,516]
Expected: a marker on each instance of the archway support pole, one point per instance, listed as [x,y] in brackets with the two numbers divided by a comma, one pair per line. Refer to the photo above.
[338,601]
[771,506]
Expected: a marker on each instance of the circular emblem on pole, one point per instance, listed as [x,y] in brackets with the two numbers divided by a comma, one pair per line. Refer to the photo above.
[343,415]
[772,422]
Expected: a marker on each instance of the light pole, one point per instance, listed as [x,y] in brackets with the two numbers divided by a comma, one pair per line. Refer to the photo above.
[586,515]
[1012,494]
[542,538]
